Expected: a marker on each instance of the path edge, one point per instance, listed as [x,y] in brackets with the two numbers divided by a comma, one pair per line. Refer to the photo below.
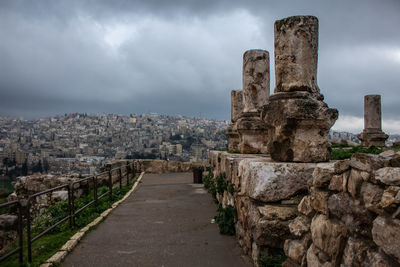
[59,256]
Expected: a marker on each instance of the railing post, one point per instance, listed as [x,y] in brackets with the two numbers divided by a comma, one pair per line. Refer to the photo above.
[69,207]
[28,230]
[73,204]
[127,173]
[133,170]
[110,183]
[20,232]
[95,189]
[120,177]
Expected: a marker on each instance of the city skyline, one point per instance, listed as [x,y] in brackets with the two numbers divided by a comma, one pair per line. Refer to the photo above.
[173,57]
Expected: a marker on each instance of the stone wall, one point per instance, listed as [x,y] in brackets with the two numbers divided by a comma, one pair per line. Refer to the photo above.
[351,216]
[163,166]
[321,214]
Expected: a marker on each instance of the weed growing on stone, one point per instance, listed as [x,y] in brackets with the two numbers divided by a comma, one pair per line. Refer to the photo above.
[209,184]
[225,219]
[221,184]
[231,189]
[269,258]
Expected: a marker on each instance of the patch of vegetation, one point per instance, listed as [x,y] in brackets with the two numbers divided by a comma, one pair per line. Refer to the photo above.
[209,184]
[225,219]
[345,152]
[46,246]
[270,258]
[221,184]
[231,189]
[234,151]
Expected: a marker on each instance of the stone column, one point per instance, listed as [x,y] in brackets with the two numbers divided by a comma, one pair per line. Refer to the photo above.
[297,118]
[255,78]
[372,134]
[252,130]
[296,54]
[236,111]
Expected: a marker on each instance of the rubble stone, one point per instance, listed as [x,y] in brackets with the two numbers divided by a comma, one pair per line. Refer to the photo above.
[388,175]
[386,234]
[327,236]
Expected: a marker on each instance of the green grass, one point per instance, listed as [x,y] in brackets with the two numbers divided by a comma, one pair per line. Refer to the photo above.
[49,244]
[343,152]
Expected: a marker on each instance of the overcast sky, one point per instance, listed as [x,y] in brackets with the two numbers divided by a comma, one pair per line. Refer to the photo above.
[184,56]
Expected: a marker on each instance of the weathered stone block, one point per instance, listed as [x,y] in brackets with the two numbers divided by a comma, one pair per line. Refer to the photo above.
[295,250]
[322,175]
[355,180]
[327,236]
[388,175]
[339,182]
[356,218]
[395,160]
[341,166]
[271,182]
[390,196]
[305,206]
[371,195]
[386,234]
[313,258]
[300,225]
[275,212]
[320,201]
[368,162]
[272,233]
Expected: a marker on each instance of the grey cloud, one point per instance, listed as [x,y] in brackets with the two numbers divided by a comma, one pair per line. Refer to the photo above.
[52,61]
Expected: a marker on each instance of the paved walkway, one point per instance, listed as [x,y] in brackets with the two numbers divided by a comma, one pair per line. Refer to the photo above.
[165,222]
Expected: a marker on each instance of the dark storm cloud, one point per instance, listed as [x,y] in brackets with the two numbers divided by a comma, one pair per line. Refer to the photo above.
[183,56]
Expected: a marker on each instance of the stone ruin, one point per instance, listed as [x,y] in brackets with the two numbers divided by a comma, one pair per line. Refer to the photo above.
[337,213]
[292,125]
[236,110]
[250,126]
[372,134]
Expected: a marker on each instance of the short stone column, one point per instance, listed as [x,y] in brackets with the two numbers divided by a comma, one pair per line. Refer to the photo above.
[297,118]
[372,134]
[252,130]
[236,111]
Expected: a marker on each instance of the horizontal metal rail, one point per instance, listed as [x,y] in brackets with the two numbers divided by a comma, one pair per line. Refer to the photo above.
[25,210]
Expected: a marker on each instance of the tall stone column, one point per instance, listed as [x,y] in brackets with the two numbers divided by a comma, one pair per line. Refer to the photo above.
[236,111]
[297,118]
[251,128]
[372,134]
[255,78]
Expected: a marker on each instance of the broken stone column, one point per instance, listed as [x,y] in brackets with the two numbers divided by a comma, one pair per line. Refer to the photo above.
[252,130]
[372,134]
[297,118]
[236,110]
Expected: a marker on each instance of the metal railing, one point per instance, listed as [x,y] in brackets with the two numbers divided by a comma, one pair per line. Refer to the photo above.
[24,207]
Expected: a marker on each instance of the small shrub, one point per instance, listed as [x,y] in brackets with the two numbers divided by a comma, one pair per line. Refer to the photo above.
[271,259]
[225,219]
[231,189]
[221,184]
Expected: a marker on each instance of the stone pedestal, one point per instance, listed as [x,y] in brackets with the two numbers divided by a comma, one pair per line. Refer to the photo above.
[297,118]
[372,134]
[236,111]
[251,128]
[253,134]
